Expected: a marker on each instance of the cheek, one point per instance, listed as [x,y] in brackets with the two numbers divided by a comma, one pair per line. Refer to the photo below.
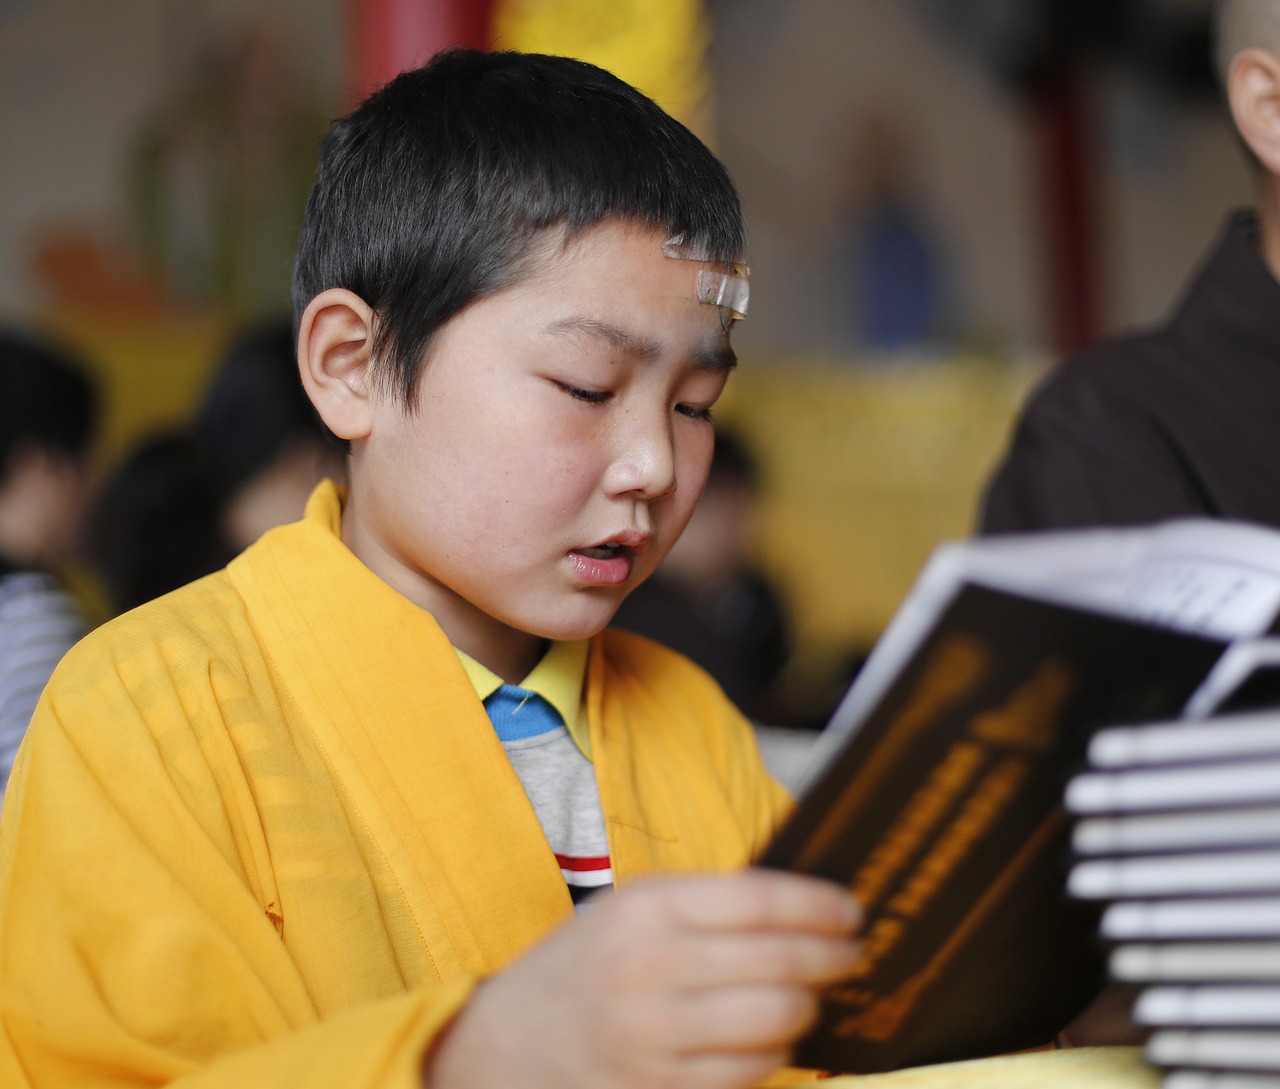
[550,461]
[534,467]
[522,484]
[694,461]
[694,453]
[680,519]
[691,474]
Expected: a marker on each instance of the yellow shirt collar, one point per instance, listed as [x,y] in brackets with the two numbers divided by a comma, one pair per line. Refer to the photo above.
[557,678]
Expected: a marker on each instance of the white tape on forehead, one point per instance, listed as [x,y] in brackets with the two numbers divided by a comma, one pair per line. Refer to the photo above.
[677,247]
[730,291]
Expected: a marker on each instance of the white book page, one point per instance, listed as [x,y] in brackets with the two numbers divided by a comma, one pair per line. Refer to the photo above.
[1176,875]
[1220,579]
[1229,736]
[1208,1005]
[1192,962]
[1203,917]
[1232,670]
[1137,833]
[1219,1048]
[1219,1079]
[1226,783]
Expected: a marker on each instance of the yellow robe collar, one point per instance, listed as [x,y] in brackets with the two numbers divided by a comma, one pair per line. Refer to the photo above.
[408,742]
[419,764]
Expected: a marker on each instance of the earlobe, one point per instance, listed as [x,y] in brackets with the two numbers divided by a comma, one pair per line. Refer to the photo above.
[335,350]
[1253,87]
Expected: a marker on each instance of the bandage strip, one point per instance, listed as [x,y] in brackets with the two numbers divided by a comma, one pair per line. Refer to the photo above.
[728,291]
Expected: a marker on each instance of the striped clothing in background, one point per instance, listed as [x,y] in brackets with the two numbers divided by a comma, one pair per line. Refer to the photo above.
[39,622]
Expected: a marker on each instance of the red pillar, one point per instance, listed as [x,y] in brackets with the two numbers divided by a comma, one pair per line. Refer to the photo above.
[387,36]
[1067,180]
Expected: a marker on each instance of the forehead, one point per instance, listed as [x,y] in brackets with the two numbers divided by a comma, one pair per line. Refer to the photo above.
[610,250]
[618,267]
[610,285]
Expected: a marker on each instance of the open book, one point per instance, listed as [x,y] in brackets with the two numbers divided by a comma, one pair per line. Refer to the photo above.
[936,791]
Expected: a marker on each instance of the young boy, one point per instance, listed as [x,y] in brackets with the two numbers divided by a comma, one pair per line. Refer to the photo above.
[315,820]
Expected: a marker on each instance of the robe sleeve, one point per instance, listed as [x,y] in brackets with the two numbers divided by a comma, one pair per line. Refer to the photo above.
[111,809]
[1087,451]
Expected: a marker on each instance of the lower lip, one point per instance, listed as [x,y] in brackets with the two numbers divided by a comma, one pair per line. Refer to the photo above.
[597,572]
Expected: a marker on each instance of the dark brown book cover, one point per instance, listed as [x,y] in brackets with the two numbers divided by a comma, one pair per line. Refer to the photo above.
[943,812]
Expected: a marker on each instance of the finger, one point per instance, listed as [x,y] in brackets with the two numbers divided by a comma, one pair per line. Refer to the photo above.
[757,900]
[757,957]
[717,1069]
[744,1019]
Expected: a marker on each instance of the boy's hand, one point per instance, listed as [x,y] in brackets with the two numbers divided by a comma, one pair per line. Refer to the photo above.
[695,983]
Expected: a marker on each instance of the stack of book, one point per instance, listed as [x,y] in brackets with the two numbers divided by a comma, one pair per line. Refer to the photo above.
[936,792]
[1178,835]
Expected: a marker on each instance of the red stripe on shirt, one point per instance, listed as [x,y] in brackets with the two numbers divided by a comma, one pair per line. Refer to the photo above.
[582,865]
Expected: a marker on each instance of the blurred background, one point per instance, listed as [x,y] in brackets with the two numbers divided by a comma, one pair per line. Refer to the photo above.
[944,196]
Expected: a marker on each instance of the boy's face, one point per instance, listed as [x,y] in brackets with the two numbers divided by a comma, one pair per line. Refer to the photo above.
[560,442]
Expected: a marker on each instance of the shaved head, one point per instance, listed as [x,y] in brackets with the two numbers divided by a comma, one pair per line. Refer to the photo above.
[1241,24]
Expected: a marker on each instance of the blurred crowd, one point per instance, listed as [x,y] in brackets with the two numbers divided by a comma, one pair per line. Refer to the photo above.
[81,541]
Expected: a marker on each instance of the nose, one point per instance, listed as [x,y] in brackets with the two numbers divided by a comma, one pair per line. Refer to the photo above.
[644,458]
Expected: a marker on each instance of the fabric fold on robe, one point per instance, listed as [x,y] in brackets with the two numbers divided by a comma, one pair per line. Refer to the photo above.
[262,832]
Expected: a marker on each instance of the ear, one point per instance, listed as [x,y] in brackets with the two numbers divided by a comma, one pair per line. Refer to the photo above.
[1253,89]
[335,351]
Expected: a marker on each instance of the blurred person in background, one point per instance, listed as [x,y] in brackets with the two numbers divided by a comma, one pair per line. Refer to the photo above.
[1178,421]
[891,258]
[183,503]
[48,418]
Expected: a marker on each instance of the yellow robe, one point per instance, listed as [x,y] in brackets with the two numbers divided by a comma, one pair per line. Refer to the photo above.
[262,833]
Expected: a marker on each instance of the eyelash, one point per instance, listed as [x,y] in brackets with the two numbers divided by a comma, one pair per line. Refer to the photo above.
[591,396]
[600,396]
[696,413]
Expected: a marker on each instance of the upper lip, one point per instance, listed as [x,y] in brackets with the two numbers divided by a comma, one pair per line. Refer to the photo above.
[634,540]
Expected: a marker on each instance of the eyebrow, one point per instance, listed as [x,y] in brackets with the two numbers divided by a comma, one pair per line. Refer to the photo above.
[711,354]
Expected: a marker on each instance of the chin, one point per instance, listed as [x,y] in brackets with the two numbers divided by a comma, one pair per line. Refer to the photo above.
[587,623]
[564,633]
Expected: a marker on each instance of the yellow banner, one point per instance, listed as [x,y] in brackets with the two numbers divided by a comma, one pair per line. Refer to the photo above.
[658,46]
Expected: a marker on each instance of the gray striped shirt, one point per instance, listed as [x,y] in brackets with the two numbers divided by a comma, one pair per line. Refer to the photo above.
[38,623]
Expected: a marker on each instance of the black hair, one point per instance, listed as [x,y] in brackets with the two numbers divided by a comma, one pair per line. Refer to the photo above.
[432,193]
[49,401]
[154,524]
[253,407]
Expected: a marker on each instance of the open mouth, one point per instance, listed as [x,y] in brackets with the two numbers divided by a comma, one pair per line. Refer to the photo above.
[605,551]
[608,564]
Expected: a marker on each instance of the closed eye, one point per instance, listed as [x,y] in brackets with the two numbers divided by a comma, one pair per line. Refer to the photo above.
[591,396]
[695,413]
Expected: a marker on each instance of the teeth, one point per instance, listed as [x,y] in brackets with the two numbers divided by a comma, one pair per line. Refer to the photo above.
[602,552]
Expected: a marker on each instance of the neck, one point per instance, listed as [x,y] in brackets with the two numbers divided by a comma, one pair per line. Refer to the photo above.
[1269,226]
[512,660]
